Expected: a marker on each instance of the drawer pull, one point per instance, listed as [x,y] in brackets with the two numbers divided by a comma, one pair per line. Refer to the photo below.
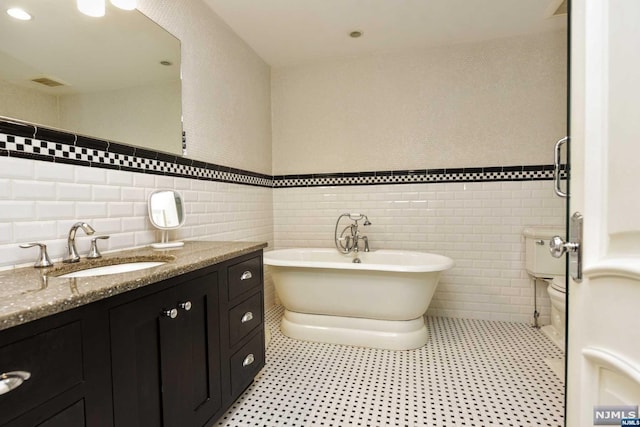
[246,275]
[247,317]
[186,306]
[170,313]
[248,360]
[14,379]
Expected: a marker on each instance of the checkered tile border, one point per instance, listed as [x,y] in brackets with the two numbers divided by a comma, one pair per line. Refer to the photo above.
[507,173]
[116,156]
[36,149]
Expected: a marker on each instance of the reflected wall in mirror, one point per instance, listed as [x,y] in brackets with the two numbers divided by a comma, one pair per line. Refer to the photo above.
[166,212]
[115,78]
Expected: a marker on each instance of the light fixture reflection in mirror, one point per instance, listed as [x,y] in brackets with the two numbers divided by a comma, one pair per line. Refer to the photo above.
[166,212]
[94,8]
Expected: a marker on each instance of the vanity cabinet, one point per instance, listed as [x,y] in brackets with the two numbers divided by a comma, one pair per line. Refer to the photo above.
[175,353]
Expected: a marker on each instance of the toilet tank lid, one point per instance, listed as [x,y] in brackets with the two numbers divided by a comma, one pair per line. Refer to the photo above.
[543,232]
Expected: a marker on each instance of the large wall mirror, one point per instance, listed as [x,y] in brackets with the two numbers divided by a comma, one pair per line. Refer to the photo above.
[115,78]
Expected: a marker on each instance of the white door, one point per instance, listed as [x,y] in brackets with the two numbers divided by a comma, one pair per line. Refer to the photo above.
[604,309]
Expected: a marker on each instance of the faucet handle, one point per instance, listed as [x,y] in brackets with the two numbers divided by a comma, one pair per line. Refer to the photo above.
[93,251]
[43,258]
[366,243]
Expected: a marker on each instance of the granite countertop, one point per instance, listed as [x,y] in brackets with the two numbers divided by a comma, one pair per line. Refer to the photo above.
[31,293]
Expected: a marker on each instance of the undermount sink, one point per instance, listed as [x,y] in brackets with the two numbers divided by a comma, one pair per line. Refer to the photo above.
[112,269]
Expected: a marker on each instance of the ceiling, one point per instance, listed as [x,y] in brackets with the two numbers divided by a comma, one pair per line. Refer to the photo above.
[288,32]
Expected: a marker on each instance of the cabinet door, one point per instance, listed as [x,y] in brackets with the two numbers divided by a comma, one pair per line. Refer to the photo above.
[166,370]
[199,366]
[142,349]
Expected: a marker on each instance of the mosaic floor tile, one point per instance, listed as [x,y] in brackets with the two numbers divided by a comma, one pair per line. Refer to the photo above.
[470,373]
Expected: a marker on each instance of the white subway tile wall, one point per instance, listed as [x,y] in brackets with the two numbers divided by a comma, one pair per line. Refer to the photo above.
[479,225]
[39,201]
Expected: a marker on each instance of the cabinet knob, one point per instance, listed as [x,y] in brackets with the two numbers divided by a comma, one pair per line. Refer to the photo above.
[186,306]
[246,275]
[247,317]
[171,313]
[248,360]
[11,380]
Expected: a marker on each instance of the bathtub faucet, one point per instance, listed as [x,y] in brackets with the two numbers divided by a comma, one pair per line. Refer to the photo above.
[349,239]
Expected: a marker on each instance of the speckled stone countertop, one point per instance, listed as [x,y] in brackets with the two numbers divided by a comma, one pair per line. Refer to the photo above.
[31,293]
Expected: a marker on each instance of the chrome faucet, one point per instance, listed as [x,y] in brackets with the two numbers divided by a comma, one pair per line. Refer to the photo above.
[72,254]
[356,237]
[349,239]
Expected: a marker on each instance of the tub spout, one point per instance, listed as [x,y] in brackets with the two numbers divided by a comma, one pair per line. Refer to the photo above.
[366,243]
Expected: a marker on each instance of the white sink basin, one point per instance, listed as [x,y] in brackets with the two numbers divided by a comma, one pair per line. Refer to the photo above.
[112,269]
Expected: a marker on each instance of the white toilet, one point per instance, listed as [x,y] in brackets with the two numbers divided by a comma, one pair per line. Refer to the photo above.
[557,291]
[541,265]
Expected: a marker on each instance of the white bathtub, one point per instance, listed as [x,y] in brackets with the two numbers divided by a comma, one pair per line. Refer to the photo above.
[378,303]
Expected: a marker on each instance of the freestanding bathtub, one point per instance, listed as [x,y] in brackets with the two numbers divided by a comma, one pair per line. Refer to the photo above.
[379,302]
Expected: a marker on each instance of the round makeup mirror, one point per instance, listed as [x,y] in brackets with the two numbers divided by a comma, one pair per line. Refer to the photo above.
[166,212]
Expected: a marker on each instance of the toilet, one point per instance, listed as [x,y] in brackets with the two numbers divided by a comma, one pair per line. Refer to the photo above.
[541,265]
[557,291]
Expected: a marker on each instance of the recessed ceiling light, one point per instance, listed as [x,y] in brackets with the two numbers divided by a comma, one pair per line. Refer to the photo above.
[21,14]
[355,34]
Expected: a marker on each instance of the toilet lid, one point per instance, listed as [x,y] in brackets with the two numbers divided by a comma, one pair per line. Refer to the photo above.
[559,283]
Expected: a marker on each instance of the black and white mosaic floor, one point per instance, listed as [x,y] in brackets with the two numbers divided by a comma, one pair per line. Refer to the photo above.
[470,373]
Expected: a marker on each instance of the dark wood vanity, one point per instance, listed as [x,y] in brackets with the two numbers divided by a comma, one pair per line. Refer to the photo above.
[177,352]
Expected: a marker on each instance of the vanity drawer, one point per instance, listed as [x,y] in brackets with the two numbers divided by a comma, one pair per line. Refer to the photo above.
[246,363]
[54,361]
[244,317]
[244,276]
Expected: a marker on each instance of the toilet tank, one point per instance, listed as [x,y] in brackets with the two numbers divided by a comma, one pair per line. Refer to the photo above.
[538,259]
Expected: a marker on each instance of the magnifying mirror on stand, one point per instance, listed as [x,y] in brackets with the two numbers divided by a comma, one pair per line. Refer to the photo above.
[166,212]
